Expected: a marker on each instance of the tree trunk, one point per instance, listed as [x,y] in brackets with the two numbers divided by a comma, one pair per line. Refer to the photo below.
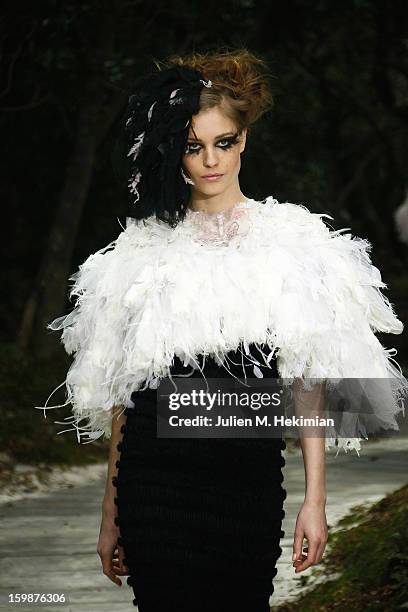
[97,112]
[48,296]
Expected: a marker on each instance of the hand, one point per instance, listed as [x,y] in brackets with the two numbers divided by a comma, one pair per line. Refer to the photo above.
[110,553]
[311,524]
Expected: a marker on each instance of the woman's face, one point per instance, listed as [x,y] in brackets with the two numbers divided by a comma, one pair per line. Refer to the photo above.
[212,158]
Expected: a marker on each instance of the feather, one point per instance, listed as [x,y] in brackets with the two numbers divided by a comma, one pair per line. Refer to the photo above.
[257,372]
[284,280]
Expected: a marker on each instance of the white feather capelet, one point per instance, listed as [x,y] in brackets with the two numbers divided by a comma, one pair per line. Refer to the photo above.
[263,272]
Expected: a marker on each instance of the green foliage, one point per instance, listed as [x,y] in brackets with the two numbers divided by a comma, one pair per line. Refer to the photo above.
[366,562]
[25,434]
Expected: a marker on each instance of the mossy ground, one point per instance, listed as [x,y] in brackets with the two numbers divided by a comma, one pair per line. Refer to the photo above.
[366,562]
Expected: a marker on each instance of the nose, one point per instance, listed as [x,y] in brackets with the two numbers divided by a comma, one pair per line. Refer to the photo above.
[210,158]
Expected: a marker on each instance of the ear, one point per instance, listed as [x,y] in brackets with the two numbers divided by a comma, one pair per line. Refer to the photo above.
[243,140]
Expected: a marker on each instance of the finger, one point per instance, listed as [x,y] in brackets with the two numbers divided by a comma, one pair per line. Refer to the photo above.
[117,562]
[319,556]
[297,544]
[121,557]
[298,561]
[320,551]
[301,557]
[310,559]
[305,563]
[112,576]
[119,571]
[122,567]
[108,571]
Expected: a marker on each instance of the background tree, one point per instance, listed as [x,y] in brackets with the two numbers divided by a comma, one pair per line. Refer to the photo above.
[336,139]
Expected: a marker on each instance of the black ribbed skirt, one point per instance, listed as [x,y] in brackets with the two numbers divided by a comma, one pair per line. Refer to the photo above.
[200,519]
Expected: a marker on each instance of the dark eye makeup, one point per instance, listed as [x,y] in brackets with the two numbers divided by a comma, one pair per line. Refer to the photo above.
[224,143]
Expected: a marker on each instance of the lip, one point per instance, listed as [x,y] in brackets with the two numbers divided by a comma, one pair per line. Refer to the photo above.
[212,177]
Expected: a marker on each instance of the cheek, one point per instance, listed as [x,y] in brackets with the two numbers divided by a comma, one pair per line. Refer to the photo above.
[189,163]
[233,159]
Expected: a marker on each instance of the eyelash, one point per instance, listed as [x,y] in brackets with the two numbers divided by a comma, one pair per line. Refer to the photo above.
[231,141]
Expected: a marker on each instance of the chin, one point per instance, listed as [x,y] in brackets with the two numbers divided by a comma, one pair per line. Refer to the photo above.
[211,190]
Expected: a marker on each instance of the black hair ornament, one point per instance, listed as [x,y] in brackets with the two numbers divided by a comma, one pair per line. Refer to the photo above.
[157,124]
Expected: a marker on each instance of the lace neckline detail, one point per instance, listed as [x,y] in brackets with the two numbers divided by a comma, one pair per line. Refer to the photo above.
[222,226]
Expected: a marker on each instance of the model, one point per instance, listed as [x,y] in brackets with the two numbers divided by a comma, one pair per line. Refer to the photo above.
[206,283]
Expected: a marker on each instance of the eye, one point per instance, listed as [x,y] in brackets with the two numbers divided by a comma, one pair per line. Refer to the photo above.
[192,147]
[226,143]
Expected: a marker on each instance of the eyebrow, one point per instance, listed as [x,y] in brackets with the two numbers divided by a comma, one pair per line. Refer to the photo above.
[216,137]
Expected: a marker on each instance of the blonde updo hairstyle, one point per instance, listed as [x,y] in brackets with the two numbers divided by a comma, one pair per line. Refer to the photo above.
[240,83]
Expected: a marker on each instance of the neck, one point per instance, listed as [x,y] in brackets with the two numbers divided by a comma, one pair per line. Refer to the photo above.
[217,203]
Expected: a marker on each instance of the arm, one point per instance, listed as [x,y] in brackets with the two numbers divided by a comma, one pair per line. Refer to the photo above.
[108,505]
[311,522]
[109,531]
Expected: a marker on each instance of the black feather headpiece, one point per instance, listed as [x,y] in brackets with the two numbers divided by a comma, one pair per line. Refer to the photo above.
[157,124]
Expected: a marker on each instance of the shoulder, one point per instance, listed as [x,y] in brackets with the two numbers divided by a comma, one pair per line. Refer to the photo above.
[294,217]
[290,210]
[135,236]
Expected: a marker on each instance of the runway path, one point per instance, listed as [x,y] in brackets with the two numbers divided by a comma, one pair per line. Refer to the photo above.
[48,542]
